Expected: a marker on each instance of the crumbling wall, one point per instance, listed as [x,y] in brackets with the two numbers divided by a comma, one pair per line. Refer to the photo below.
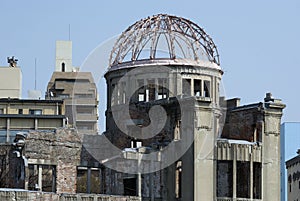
[60,148]
[244,123]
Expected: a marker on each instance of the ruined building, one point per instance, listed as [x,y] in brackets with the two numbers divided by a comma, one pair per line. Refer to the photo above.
[77,89]
[170,135]
[179,139]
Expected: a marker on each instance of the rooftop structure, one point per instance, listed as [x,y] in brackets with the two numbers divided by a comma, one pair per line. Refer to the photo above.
[77,89]
[11,80]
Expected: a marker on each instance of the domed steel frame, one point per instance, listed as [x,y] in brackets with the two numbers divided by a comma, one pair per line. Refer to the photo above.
[133,40]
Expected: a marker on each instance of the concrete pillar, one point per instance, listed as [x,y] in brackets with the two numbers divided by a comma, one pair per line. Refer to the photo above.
[35,124]
[40,176]
[251,173]
[88,181]
[7,129]
[139,177]
[234,174]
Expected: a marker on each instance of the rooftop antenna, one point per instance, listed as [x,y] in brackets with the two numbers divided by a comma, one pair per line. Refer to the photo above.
[34,73]
[69,31]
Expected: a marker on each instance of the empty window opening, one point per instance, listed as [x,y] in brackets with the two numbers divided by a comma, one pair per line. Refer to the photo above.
[141,90]
[178,179]
[113,98]
[224,178]
[20,111]
[89,180]
[123,92]
[151,90]
[42,177]
[243,179]
[197,88]
[207,88]
[1,111]
[162,88]
[130,186]
[257,180]
[186,87]
[63,67]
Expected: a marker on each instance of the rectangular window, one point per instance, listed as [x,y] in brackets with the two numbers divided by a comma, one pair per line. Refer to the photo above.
[1,111]
[47,174]
[243,179]
[88,180]
[20,111]
[257,180]
[197,88]
[35,112]
[123,92]
[186,87]
[141,90]
[162,88]
[224,178]
[151,90]
[130,187]
[207,88]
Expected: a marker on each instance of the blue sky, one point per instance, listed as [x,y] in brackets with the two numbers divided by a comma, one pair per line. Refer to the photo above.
[258,41]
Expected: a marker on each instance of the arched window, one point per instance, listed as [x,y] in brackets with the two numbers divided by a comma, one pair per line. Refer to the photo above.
[63,67]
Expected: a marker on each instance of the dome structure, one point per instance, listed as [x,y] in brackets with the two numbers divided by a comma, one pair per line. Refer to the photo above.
[164,36]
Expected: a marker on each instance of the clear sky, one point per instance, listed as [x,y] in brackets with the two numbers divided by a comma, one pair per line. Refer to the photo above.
[258,41]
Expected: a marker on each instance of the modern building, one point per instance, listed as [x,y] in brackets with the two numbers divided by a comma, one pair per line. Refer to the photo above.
[77,89]
[293,181]
[20,115]
[179,139]
[11,80]
[290,141]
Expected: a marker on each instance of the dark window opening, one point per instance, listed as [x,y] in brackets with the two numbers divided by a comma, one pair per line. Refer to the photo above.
[35,112]
[243,179]
[257,180]
[130,186]
[224,178]
[63,67]
[141,91]
[178,180]
[20,111]
[186,87]
[151,90]
[162,88]
[88,180]
[197,88]
[123,93]
[207,88]
[48,178]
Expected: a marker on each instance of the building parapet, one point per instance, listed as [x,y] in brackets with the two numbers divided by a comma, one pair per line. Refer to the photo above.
[244,150]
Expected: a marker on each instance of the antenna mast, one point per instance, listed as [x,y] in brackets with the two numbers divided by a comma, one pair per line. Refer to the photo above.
[34,73]
[69,31]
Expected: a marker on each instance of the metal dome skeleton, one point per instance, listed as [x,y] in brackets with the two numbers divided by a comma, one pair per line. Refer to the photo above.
[164,37]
